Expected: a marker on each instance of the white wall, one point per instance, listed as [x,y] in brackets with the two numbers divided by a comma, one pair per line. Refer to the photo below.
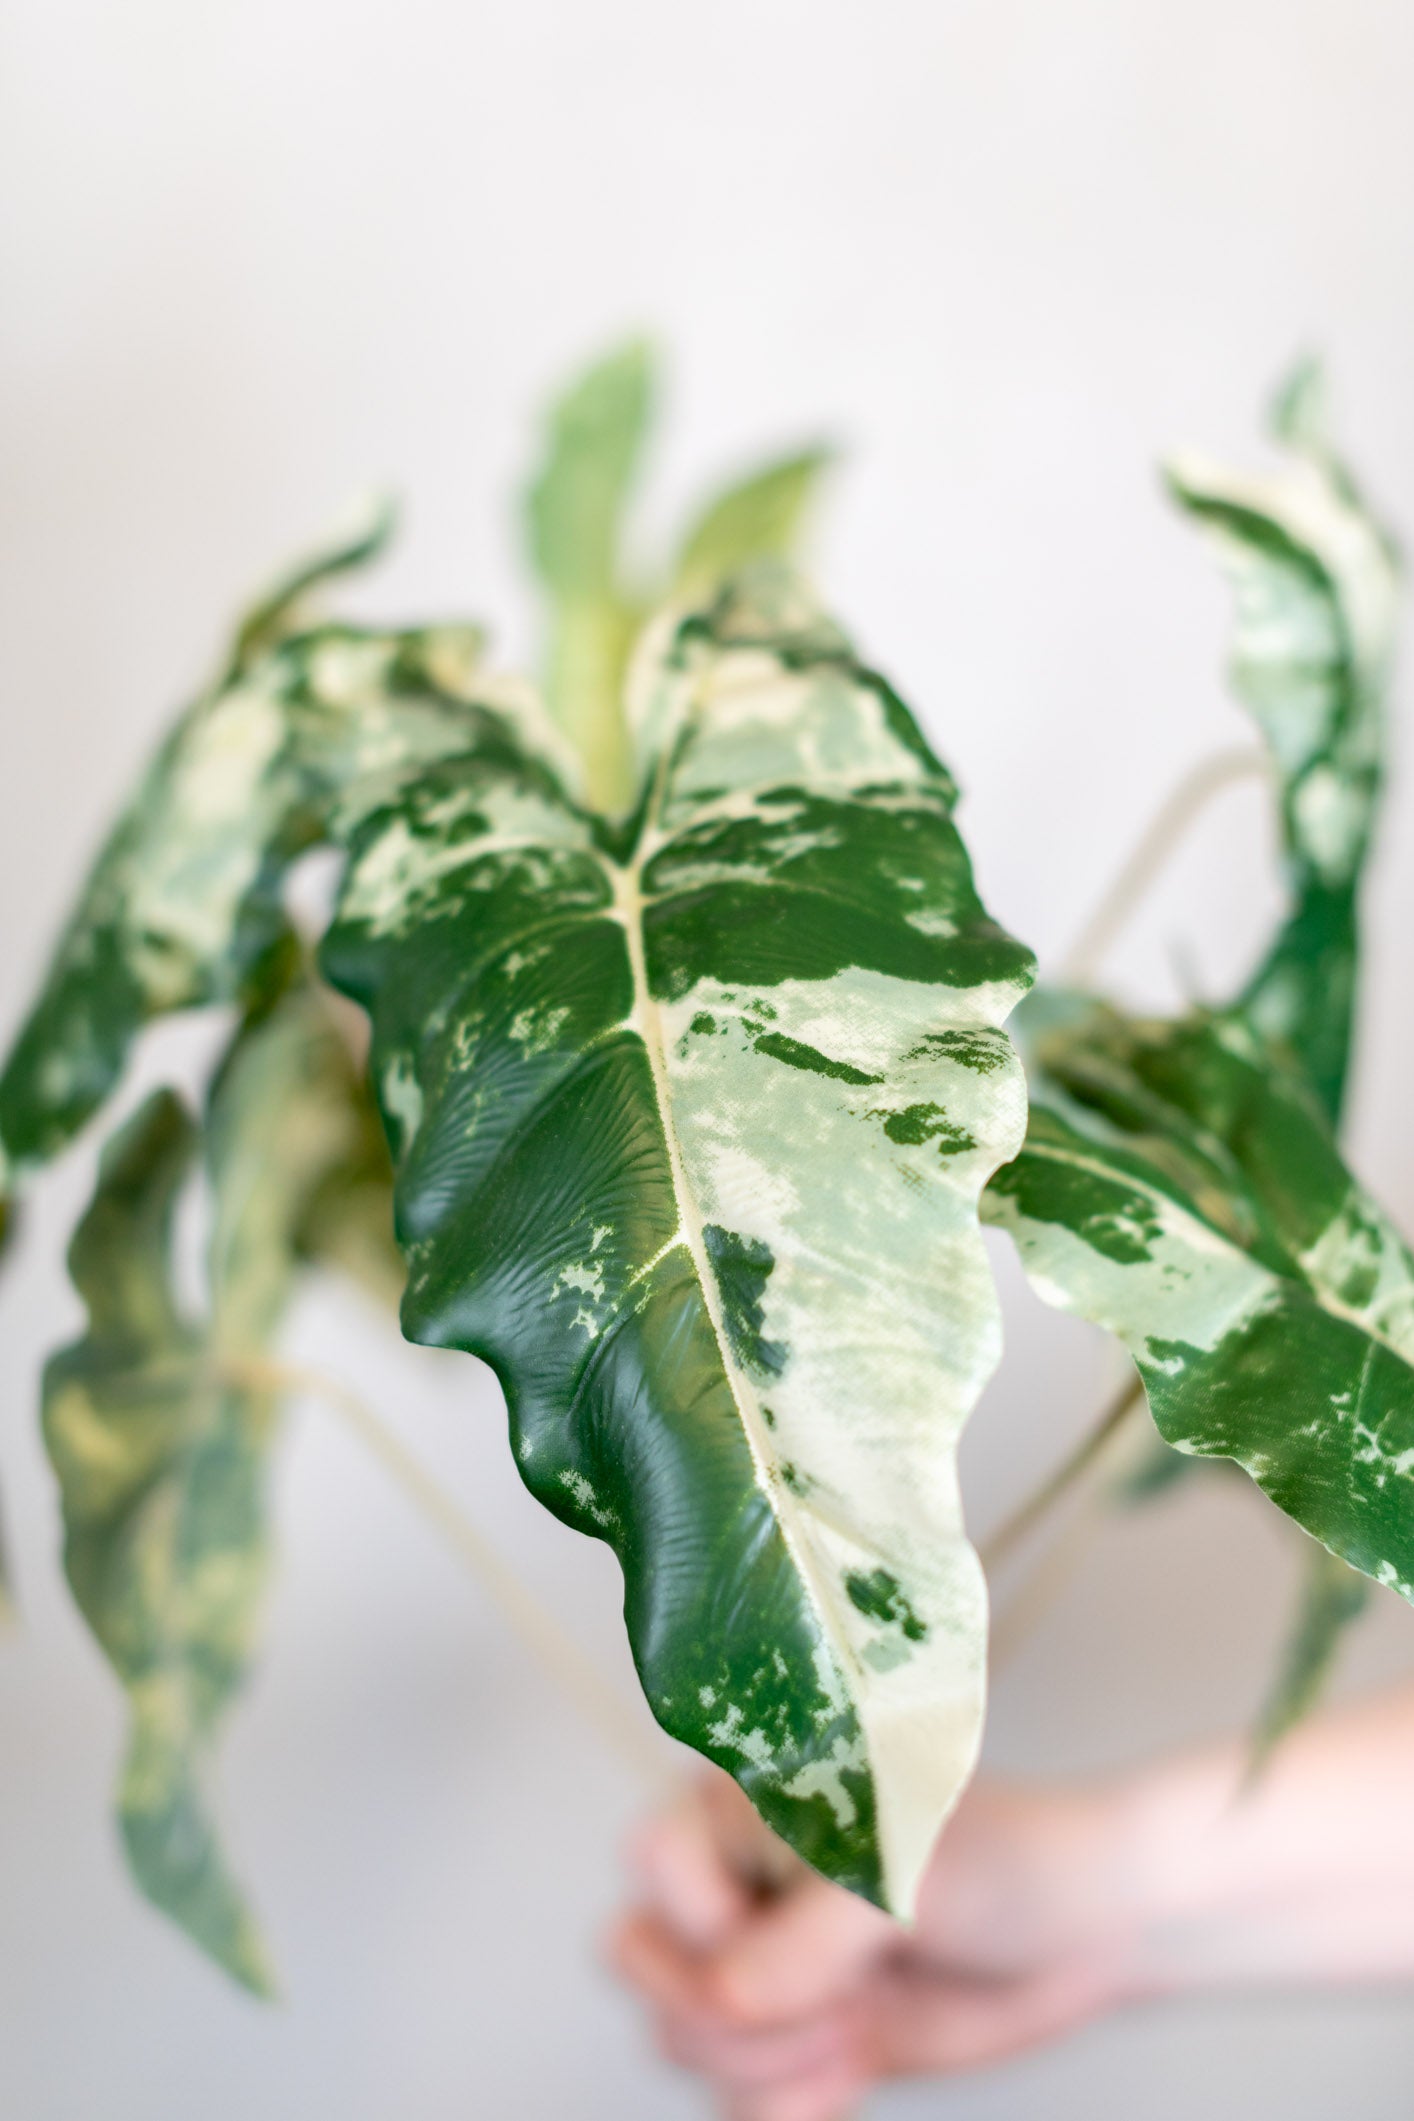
[254,255]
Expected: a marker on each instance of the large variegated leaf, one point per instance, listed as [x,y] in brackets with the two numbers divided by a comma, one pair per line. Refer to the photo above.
[1315,579]
[1182,1188]
[1316,583]
[184,905]
[691,1123]
[158,1427]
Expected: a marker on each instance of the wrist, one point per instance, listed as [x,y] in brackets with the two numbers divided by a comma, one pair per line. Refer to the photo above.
[1171,1870]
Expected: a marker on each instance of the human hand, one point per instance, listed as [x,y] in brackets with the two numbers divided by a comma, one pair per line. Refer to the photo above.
[793,2003]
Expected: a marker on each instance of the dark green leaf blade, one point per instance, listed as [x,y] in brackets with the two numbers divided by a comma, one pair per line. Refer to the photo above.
[688,1136]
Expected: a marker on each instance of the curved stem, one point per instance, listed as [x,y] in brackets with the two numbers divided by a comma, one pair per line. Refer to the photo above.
[1010,1533]
[534,1626]
[1155,845]
[1039,1589]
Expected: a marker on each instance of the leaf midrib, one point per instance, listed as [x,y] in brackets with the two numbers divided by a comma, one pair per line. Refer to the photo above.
[629,903]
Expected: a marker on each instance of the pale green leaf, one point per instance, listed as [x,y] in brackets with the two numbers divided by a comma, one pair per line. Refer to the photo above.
[575,510]
[690,1130]
[158,1428]
[594,441]
[159,1466]
[760,517]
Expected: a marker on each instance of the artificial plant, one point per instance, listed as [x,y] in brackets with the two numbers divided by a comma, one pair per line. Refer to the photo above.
[688,1087]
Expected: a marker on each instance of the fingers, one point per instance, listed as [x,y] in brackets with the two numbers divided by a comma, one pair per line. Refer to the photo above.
[774,1968]
[797,1954]
[829,2094]
[649,1957]
[758,1958]
[810,2072]
[756,2062]
[684,1875]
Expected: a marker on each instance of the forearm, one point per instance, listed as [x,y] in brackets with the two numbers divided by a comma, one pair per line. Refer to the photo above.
[1307,1876]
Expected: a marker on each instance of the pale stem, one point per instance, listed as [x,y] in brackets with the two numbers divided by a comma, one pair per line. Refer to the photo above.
[1014,1529]
[534,1626]
[1155,845]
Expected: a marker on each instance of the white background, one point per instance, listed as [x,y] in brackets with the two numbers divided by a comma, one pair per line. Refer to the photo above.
[255,255]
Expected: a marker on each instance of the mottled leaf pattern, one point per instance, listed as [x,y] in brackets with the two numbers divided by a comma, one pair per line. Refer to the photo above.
[158,1428]
[184,905]
[1178,1183]
[690,1132]
[687,1038]
[1181,1188]
[1316,586]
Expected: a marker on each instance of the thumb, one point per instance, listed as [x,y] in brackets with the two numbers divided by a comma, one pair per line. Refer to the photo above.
[687,1875]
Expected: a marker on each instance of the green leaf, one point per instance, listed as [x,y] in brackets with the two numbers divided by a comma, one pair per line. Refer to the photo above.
[690,1123]
[760,517]
[184,906]
[158,1428]
[1316,582]
[1332,1598]
[575,510]
[1182,1188]
[159,1465]
[595,436]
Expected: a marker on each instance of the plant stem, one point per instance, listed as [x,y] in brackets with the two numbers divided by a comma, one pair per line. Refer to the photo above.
[1010,1533]
[534,1626]
[1038,1590]
[1155,844]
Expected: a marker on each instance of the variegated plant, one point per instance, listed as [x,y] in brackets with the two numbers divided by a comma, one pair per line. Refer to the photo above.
[687,1037]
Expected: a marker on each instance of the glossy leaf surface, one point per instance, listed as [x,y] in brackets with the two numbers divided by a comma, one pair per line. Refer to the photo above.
[690,1126]
[1181,1188]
